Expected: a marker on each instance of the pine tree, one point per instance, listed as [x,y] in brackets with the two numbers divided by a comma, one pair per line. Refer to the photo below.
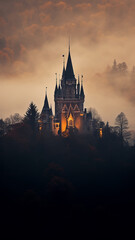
[31,117]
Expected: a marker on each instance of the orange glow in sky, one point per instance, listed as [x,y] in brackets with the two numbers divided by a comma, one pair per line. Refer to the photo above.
[34,36]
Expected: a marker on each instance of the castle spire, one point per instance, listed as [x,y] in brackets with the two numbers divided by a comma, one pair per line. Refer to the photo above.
[69,67]
[82,91]
[46,104]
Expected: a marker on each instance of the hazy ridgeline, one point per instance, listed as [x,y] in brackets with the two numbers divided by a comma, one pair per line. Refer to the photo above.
[52,185]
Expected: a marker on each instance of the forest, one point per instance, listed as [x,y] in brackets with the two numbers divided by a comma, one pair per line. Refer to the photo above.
[81,184]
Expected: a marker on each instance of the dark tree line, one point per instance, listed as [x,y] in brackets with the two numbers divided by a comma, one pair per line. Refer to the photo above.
[31,117]
[52,185]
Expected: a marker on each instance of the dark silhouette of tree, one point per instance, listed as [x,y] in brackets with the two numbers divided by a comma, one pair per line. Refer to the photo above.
[31,117]
[95,114]
[121,123]
[16,118]
[2,127]
[107,130]
[13,119]
[122,67]
[8,121]
[11,122]
[96,120]
[114,67]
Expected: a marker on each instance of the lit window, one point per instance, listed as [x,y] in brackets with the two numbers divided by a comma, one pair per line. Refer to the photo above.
[100,133]
[70,123]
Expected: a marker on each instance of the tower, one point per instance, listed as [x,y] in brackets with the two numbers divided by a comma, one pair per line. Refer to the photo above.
[46,116]
[69,99]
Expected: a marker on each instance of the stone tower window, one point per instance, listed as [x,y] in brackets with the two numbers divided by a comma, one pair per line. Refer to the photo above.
[70,123]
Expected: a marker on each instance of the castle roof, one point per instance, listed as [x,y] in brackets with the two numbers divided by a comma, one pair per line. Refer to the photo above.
[46,104]
[69,69]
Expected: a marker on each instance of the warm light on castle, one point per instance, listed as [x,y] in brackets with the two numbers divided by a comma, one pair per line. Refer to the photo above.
[69,100]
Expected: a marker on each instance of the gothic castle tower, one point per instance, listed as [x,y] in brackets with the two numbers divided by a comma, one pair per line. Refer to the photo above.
[69,99]
[46,117]
[69,104]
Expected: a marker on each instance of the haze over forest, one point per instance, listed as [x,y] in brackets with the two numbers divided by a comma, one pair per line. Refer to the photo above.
[34,36]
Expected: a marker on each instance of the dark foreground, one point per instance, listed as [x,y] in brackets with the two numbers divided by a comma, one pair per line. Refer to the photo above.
[59,187]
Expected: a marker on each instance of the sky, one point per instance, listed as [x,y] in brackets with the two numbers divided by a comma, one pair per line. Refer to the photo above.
[34,34]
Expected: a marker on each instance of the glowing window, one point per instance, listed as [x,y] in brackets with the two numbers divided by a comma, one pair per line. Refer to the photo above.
[70,123]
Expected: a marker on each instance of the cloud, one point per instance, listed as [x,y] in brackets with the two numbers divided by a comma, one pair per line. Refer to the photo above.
[2,21]
[4,57]
[83,6]
[3,43]
[38,23]
[34,34]
[46,5]
[35,23]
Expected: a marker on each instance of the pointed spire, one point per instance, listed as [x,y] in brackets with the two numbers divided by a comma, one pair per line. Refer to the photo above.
[69,68]
[82,91]
[46,104]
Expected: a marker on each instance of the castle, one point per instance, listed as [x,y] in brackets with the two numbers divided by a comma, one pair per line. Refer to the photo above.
[69,100]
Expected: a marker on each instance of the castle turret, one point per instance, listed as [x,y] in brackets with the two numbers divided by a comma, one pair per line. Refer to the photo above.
[45,117]
[46,104]
[82,96]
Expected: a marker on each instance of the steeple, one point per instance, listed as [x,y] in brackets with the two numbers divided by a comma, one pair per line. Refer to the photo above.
[46,104]
[63,74]
[82,91]
[69,68]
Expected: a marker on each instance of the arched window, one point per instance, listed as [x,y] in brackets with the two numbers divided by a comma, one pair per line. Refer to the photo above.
[70,123]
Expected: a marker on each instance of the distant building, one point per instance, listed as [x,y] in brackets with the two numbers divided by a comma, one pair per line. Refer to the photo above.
[69,100]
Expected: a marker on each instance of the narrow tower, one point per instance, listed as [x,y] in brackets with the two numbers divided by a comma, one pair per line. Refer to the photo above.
[70,98]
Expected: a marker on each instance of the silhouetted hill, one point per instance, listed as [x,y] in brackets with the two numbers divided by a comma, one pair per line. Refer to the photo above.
[53,185]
